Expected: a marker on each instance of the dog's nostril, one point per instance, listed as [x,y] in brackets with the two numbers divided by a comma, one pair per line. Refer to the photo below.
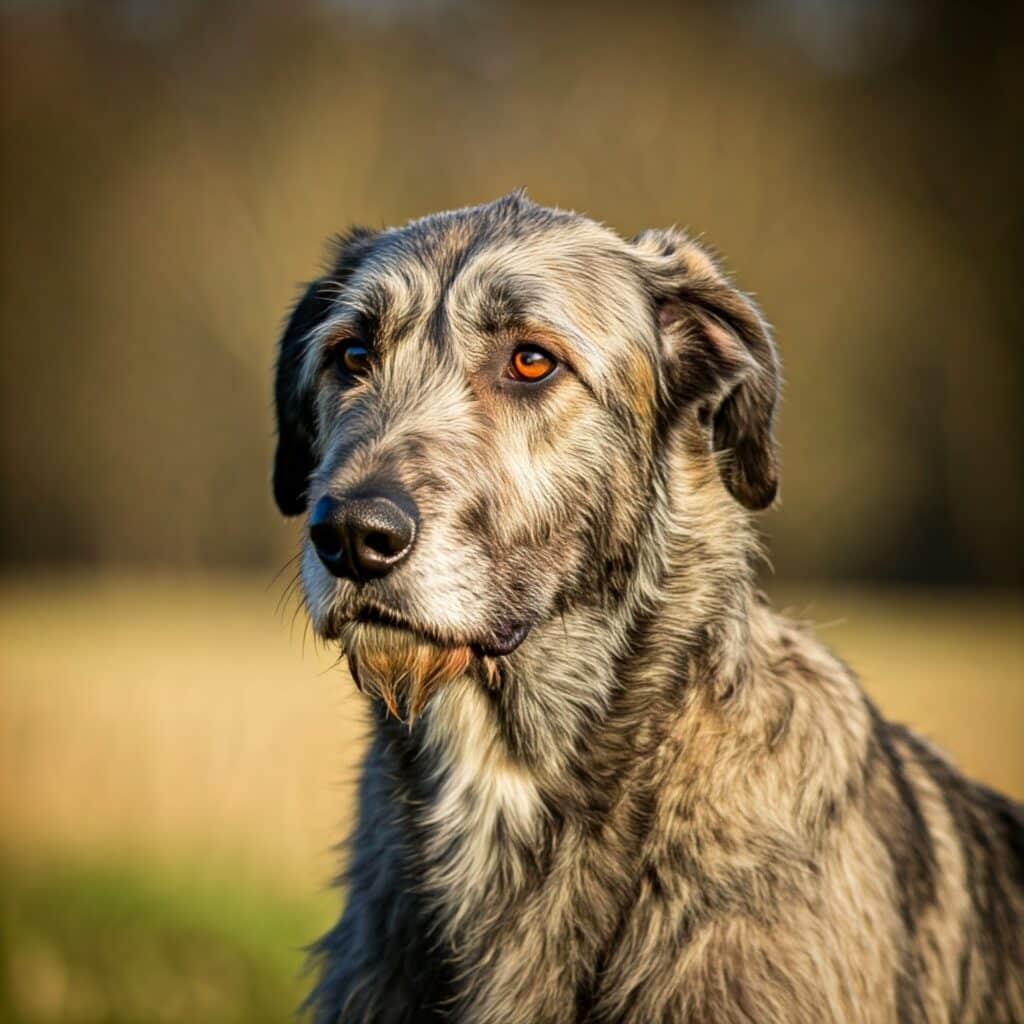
[325,531]
[383,543]
[326,539]
[379,533]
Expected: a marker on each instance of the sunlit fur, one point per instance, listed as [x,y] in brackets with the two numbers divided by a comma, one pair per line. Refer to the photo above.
[399,667]
[668,803]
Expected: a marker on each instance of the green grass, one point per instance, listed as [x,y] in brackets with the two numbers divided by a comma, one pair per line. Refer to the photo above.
[132,944]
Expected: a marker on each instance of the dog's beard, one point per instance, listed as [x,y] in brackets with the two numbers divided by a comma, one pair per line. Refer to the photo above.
[403,669]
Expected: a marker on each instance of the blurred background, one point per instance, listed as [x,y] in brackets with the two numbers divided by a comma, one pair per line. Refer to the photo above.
[176,755]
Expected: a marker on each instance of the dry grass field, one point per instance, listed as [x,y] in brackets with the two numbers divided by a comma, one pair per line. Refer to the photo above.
[176,760]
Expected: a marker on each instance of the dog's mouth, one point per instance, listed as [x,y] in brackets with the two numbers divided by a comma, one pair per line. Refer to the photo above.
[404,664]
[500,641]
[503,641]
[380,615]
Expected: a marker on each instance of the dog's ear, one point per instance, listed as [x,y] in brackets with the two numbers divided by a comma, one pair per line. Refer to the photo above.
[720,359]
[295,458]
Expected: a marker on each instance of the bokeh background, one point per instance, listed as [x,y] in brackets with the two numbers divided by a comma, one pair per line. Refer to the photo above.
[176,755]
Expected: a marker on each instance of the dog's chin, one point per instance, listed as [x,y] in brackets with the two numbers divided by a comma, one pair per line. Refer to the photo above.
[401,667]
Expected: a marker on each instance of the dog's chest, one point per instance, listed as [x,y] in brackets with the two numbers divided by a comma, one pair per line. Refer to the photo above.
[507,881]
[484,817]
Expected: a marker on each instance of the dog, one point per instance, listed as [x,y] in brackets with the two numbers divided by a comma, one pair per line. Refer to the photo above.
[606,782]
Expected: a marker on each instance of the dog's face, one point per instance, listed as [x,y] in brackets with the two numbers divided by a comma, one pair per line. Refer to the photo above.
[473,410]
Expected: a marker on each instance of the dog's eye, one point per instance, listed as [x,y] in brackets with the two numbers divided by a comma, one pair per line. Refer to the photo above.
[352,358]
[530,363]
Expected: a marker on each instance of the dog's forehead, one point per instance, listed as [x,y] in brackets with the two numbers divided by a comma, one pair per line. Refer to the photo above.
[491,266]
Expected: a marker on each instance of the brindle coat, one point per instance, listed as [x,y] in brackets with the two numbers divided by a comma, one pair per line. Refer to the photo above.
[667,803]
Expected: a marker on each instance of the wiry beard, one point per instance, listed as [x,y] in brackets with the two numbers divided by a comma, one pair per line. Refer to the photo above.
[403,669]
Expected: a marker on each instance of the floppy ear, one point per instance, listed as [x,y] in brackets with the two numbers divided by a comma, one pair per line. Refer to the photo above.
[719,357]
[296,423]
[293,460]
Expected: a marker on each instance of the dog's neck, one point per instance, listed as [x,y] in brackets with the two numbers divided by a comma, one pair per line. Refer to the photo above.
[685,616]
[567,738]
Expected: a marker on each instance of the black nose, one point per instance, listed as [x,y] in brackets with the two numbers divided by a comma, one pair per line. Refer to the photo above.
[363,538]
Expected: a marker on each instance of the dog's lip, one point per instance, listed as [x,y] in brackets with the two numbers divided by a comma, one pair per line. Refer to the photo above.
[377,614]
[501,641]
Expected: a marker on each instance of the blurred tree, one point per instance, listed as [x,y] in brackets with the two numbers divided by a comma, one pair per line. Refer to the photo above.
[169,170]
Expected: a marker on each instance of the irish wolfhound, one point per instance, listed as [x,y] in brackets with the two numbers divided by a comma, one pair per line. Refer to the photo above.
[606,783]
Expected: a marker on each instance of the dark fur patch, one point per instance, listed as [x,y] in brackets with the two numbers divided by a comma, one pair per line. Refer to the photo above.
[901,825]
[293,460]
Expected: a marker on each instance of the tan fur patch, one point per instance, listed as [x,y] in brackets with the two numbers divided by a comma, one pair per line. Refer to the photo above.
[403,669]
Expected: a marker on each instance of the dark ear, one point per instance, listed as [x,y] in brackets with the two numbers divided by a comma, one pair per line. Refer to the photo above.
[293,461]
[720,359]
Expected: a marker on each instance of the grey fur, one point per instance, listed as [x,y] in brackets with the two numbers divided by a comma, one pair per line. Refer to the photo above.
[668,803]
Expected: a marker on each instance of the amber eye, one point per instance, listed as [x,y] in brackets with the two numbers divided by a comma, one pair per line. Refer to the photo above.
[352,358]
[530,363]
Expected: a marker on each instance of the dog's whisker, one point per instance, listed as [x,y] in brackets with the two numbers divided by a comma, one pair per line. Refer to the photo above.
[287,565]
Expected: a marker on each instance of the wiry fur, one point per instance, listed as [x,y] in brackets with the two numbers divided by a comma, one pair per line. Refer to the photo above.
[668,803]
[400,667]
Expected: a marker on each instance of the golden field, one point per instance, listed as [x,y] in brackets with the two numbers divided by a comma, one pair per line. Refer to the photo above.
[177,759]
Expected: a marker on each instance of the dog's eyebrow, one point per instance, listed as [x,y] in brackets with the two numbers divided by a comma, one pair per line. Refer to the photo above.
[504,304]
[515,305]
[561,335]
[346,322]
[373,300]
[386,309]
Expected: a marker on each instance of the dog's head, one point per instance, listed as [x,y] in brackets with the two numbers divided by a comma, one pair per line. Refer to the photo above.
[473,412]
